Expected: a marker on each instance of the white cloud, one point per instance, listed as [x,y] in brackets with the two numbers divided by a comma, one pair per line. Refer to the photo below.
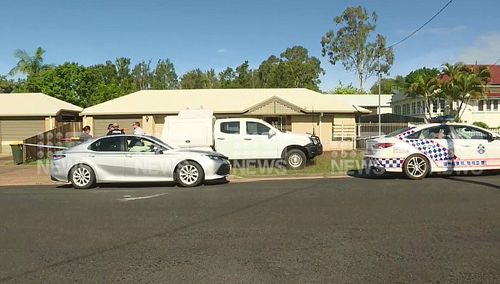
[221,50]
[484,50]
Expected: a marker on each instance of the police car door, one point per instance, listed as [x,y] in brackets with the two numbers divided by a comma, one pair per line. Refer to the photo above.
[474,148]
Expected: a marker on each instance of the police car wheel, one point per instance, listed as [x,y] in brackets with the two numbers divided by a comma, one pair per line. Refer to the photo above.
[416,166]
[377,171]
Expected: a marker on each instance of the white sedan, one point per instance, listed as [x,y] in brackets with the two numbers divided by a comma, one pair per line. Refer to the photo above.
[436,147]
[132,158]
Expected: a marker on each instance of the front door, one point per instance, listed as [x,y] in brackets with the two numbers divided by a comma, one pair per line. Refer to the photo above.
[143,164]
[474,148]
[258,143]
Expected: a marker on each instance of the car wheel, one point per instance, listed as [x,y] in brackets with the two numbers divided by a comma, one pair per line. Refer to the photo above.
[416,167]
[189,174]
[82,177]
[295,159]
[376,171]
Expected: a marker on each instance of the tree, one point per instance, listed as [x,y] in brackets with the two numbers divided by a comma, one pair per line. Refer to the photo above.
[342,89]
[143,75]
[6,86]
[349,45]
[26,64]
[387,86]
[227,78]
[244,76]
[427,87]
[267,73]
[194,79]
[299,70]
[164,77]
[463,83]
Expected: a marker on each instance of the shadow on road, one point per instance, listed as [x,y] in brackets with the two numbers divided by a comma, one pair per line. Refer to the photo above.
[365,175]
[474,181]
[145,184]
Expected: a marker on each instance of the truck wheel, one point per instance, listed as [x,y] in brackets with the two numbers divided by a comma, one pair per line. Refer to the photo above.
[189,174]
[82,177]
[416,166]
[295,159]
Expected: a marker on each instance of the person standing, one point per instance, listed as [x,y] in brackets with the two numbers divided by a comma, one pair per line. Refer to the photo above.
[85,134]
[137,128]
[115,129]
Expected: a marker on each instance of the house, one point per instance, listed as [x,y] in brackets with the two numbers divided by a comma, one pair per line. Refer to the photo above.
[296,110]
[485,110]
[25,115]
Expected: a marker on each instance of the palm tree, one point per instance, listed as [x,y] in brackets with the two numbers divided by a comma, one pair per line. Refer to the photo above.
[28,65]
[427,87]
[462,84]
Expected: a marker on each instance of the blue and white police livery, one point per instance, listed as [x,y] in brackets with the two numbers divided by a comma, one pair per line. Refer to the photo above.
[434,147]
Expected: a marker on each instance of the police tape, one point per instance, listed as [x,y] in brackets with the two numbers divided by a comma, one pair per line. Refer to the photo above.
[46,146]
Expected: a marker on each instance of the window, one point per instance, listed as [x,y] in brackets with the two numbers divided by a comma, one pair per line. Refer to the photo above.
[480,105]
[488,105]
[255,128]
[414,108]
[232,127]
[137,144]
[468,132]
[435,106]
[437,132]
[108,144]
[495,105]
[442,106]
[419,107]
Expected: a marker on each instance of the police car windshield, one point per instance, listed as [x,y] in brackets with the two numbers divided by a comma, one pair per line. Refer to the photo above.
[399,131]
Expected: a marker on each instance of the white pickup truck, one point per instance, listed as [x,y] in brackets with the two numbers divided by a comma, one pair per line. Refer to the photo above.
[239,138]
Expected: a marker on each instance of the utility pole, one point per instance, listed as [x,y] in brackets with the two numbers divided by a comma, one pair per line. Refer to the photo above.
[379,103]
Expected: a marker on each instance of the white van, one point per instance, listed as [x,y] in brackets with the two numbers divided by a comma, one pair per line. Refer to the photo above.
[239,138]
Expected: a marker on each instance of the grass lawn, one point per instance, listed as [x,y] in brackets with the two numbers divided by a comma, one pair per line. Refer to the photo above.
[328,164]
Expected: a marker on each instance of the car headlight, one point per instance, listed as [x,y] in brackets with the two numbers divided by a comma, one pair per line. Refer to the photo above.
[314,140]
[217,157]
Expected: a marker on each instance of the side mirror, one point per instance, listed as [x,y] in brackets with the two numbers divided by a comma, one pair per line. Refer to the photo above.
[271,133]
[158,150]
[492,137]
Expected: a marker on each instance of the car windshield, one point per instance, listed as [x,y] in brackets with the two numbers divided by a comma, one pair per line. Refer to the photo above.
[399,131]
[159,141]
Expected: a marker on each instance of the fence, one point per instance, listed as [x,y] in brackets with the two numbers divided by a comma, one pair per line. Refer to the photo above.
[494,130]
[62,136]
[366,130]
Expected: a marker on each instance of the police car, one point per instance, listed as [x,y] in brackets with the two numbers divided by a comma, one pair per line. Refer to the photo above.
[435,147]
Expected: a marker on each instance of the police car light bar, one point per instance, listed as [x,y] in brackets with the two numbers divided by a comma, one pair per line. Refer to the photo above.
[443,119]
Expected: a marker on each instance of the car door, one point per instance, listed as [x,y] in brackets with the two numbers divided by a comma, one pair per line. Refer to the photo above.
[145,163]
[475,148]
[229,139]
[258,143]
[108,158]
[436,143]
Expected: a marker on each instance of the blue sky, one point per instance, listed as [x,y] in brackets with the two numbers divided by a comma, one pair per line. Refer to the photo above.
[220,33]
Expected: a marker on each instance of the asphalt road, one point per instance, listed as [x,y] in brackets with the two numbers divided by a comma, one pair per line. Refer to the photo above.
[441,229]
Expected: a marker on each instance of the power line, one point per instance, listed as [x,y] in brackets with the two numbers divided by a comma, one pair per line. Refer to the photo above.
[422,26]
[498,60]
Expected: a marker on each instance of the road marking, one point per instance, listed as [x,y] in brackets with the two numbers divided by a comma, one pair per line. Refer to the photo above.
[130,198]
